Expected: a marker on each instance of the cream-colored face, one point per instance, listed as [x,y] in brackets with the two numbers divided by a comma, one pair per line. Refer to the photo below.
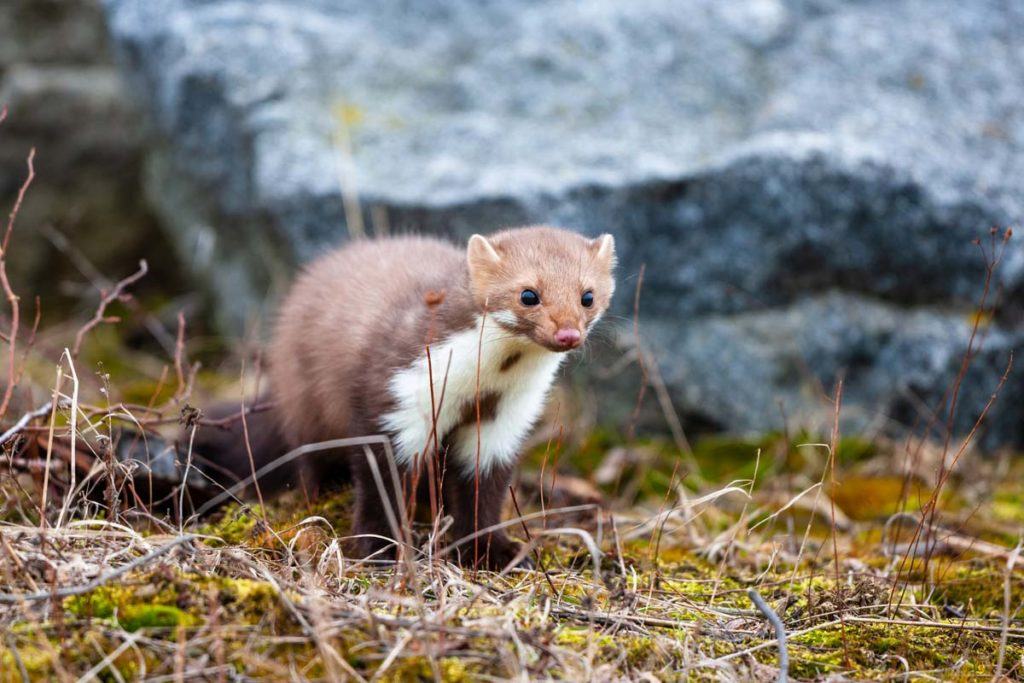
[547,284]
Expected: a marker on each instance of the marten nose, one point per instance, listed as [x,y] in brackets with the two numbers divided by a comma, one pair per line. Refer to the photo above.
[567,338]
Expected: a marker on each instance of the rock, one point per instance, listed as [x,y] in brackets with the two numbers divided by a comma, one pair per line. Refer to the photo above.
[52,32]
[750,155]
[89,101]
[65,98]
[894,363]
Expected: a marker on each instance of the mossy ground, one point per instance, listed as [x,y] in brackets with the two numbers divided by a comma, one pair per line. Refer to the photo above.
[269,594]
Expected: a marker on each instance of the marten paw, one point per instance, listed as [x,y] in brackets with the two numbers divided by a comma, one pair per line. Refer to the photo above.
[496,553]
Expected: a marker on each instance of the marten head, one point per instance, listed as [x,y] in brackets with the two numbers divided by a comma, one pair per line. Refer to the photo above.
[543,283]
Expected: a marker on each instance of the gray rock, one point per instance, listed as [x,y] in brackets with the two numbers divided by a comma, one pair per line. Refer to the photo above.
[749,154]
[52,32]
[66,99]
[894,363]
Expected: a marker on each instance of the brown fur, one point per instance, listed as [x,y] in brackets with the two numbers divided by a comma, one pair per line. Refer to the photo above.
[359,314]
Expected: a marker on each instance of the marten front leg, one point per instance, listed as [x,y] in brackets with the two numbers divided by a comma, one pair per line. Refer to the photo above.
[370,521]
[471,512]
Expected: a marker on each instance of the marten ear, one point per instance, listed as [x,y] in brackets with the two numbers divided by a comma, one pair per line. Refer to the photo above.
[481,253]
[603,248]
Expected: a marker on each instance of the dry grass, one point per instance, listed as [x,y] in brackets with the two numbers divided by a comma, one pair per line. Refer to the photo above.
[651,586]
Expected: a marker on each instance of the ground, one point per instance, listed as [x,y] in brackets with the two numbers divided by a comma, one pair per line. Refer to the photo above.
[652,580]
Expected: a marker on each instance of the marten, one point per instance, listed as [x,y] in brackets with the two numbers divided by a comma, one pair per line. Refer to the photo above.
[349,357]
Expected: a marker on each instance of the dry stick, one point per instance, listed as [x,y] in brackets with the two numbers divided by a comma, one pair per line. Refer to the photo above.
[179,355]
[529,539]
[833,446]
[248,447]
[220,423]
[432,458]
[74,434]
[106,298]
[990,266]
[479,432]
[675,425]
[631,431]
[780,632]
[109,659]
[398,528]
[145,443]
[764,646]
[12,298]
[436,471]
[932,503]
[1007,598]
[659,529]
[12,598]
[23,421]
[287,458]
[31,341]
[981,628]
[13,649]
[49,446]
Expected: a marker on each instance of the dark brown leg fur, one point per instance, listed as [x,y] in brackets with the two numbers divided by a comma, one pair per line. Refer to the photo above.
[370,521]
[493,550]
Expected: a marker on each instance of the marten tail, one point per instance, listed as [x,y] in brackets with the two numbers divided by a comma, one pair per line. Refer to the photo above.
[229,450]
[217,457]
[210,459]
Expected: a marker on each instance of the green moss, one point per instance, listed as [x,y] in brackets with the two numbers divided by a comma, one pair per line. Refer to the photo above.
[979,584]
[236,525]
[36,660]
[637,651]
[134,617]
[1008,506]
[451,669]
[872,650]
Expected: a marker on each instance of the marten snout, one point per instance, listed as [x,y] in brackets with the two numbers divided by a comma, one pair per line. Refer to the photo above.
[568,338]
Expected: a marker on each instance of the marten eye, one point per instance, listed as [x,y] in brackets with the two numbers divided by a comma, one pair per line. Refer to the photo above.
[587,299]
[529,297]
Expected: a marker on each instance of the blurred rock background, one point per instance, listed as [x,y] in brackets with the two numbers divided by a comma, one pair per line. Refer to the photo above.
[66,98]
[801,180]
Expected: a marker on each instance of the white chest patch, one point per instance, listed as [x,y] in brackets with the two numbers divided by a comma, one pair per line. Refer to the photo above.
[521,387]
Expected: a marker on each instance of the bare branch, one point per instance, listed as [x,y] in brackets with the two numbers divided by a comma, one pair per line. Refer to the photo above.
[106,298]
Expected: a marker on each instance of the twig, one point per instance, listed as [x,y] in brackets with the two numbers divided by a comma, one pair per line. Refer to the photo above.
[1010,633]
[106,298]
[619,619]
[284,460]
[833,447]
[780,632]
[1007,598]
[74,435]
[110,658]
[23,421]
[14,598]
[12,298]
[529,539]
[11,647]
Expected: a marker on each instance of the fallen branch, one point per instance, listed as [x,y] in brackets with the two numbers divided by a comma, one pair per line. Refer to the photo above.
[780,632]
[23,421]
